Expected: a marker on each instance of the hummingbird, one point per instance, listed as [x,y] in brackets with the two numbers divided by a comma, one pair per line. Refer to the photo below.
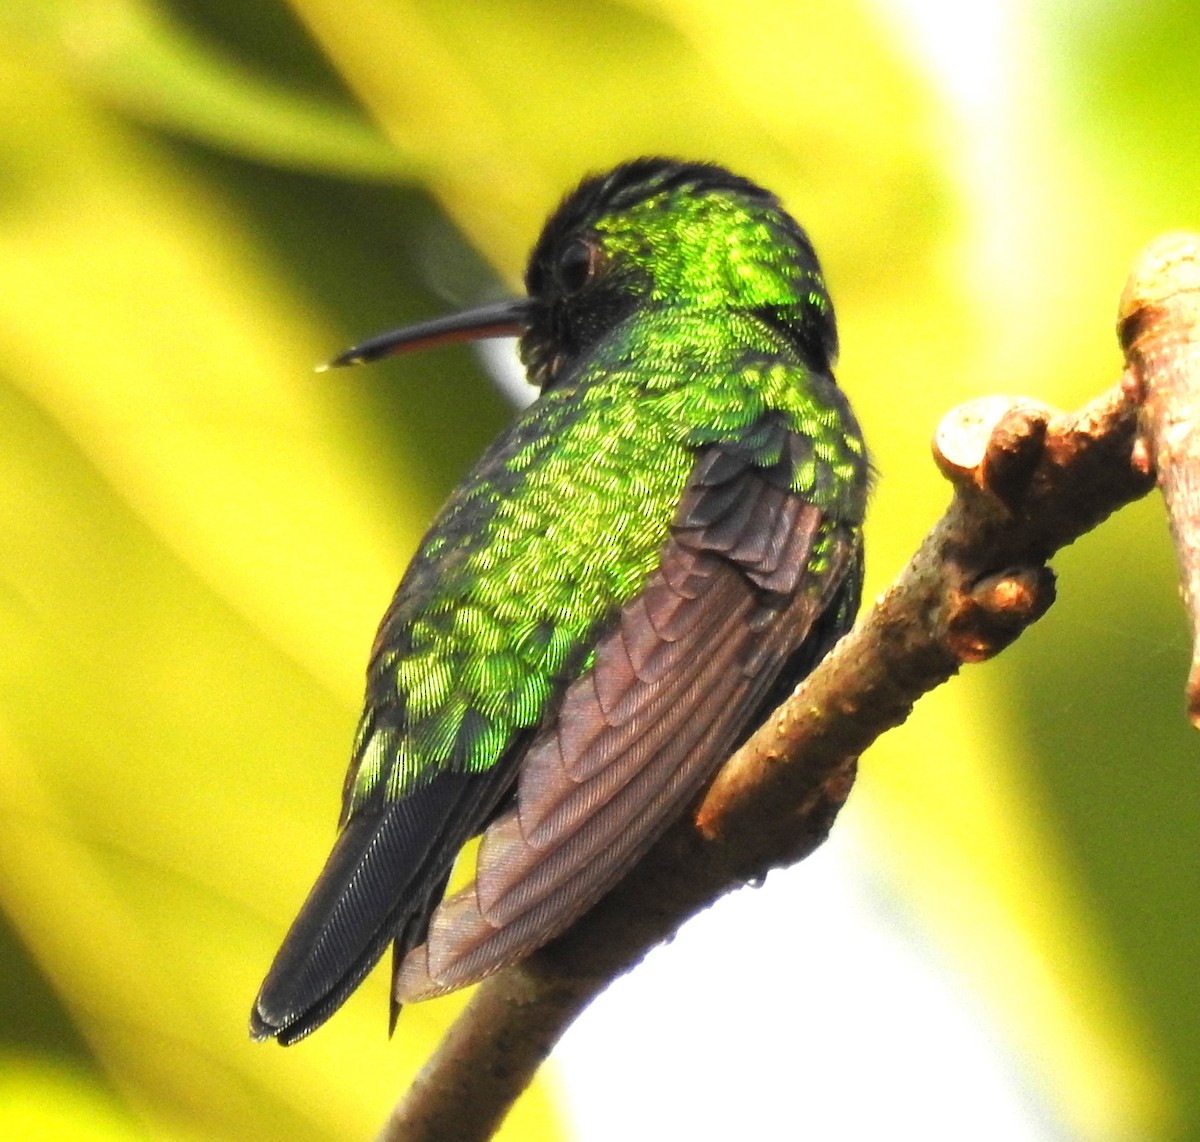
[634,573]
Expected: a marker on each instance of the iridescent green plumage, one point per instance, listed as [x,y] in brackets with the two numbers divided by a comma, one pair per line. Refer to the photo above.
[559,526]
[691,482]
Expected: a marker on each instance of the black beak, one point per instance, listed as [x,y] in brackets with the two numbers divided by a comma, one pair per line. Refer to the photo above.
[503,319]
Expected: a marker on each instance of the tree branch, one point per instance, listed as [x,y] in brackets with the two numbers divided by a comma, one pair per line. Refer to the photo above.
[1027,481]
[1159,327]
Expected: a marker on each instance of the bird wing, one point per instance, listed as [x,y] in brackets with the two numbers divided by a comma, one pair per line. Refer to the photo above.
[748,571]
[383,877]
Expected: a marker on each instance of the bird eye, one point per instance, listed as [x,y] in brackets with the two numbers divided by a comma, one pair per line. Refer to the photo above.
[577,264]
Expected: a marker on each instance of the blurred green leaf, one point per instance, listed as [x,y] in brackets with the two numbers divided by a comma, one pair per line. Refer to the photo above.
[136,56]
[39,1100]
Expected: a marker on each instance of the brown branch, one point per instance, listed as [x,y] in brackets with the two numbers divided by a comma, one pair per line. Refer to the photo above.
[1027,481]
[1160,330]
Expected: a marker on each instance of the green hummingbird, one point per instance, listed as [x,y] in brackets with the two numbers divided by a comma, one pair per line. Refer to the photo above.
[662,545]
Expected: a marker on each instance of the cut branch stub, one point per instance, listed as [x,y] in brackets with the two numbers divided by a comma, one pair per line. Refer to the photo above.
[990,449]
[1159,328]
[992,445]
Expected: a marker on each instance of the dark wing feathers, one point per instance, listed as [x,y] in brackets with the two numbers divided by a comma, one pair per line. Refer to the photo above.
[782,572]
[554,782]
[383,861]
[672,686]
[518,903]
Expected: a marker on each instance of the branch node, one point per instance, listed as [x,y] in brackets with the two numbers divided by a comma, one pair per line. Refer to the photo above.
[1140,458]
[983,621]
[1132,388]
[1014,450]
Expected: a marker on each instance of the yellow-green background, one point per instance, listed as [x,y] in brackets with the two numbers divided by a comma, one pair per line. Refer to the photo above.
[198,200]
